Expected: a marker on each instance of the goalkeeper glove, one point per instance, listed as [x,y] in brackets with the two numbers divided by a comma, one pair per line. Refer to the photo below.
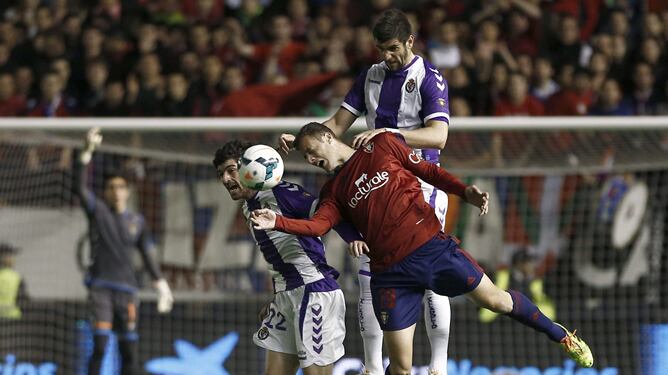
[165,298]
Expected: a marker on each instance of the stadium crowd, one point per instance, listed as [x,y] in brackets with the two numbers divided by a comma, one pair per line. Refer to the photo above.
[199,57]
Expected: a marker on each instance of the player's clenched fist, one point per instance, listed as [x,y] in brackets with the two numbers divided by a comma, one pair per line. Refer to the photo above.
[263,219]
[286,143]
[477,198]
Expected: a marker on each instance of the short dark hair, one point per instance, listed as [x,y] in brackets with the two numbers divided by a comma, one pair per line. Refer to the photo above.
[230,150]
[312,129]
[392,24]
[110,174]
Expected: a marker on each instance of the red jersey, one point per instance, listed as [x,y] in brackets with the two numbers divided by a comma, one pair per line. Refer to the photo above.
[378,192]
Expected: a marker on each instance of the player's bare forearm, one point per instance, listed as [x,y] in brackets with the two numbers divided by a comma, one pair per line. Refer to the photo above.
[433,135]
[341,121]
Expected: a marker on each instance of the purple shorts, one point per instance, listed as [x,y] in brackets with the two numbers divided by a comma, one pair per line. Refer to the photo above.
[439,265]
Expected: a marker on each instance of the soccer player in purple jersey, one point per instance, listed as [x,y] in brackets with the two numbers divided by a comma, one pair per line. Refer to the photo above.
[305,323]
[375,188]
[405,94]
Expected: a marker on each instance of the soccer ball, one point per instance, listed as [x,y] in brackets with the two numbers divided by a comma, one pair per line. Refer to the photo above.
[260,168]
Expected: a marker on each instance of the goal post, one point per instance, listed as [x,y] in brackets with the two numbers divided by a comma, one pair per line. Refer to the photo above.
[578,221]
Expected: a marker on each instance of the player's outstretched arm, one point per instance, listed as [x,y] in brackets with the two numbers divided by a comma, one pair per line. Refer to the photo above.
[433,135]
[473,195]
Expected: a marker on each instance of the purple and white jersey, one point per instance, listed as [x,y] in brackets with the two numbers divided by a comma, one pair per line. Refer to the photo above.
[402,99]
[293,260]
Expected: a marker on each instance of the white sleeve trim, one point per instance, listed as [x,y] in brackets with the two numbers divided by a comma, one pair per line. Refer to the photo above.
[437,114]
[351,109]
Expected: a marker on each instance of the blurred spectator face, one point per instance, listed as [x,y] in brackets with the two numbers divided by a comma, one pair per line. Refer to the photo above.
[619,23]
[6,86]
[569,32]
[62,67]
[4,54]
[650,51]
[219,37]
[43,18]
[643,78]
[190,65]
[517,88]
[619,48]
[565,77]
[448,33]
[199,37]
[204,6]
[652,26]
[8,33]
[458,77]
[544,70]
[233,79]
[603,43]
[281,29]
[114,93]
[519,23]
[92,39]
[307,69]
[51,86]
[582,81]
[23,78]
[489,31]
[381,4]
[363,39]
[72,26]
[297,9]
[525,65]
[212,70]
[149,66]
[54,45]
[96,74]
[598,64]
[177,87]
[460,107]
[147,38]
[323,26]
[610,94]
[499,76]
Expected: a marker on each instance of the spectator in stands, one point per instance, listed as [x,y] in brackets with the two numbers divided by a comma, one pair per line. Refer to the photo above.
[62,67]
[619,60]
[200,40]
[298,11]
[610,101]
[209,12]
[151,86]
[460,84]
[518,101]
[443,47]
[189,65]
[177,102]
[13,292]
[652,54]
[277,57]
[572,99]
[23,79]
[10,104]
[544,85]
[644,97]
[567,49]
[209,91]
[599,67]
[113,103]
[96,79]
[52,101]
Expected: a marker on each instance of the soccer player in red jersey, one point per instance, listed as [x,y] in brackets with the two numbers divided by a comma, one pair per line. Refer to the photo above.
[376,189]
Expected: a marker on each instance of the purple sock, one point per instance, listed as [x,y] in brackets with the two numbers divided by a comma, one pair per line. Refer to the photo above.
[527,313]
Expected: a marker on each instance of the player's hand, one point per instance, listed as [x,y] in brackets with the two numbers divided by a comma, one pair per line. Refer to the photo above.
[263,219]
[357,248]
[165,298]
[364,137]
[264,311]
[93,139]
[286,142]
[477,198]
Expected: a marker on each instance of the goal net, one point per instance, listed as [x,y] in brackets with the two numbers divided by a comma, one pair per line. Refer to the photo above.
[577,222]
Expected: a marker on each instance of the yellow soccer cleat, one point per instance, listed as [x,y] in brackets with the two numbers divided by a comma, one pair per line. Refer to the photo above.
[576,348]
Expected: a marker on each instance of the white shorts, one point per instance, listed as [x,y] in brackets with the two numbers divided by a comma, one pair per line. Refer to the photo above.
[306,322]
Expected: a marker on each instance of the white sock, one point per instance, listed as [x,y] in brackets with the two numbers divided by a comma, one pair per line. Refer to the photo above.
[372,335]
[437,321]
